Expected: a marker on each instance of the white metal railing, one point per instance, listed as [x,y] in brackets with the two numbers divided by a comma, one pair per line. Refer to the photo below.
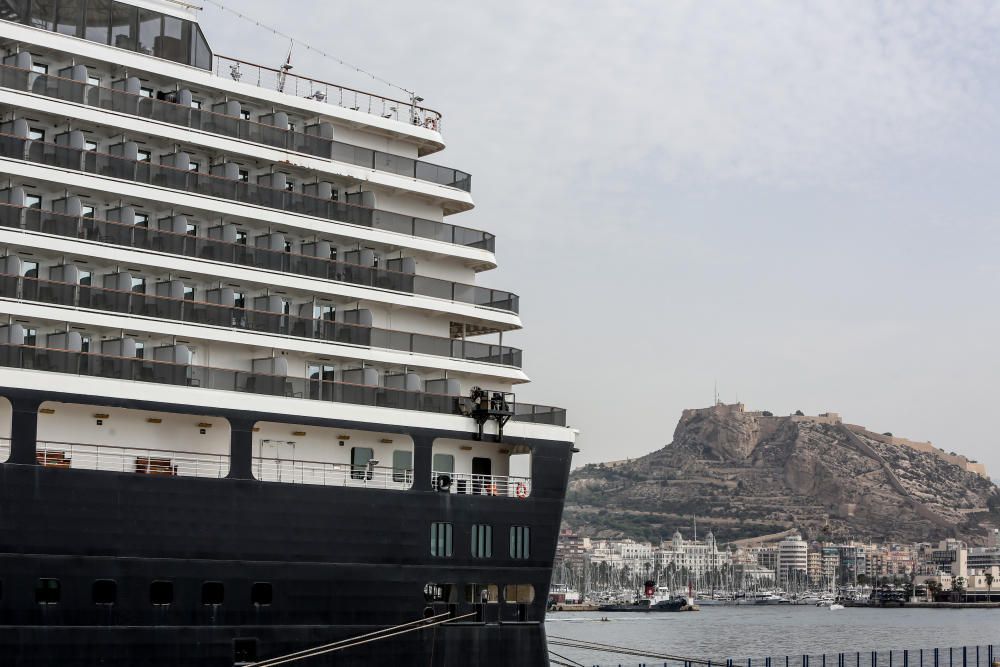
[157,462]
[4,449]
[331,474]
[482,485]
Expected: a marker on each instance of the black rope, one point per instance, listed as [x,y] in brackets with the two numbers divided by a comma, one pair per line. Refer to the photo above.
[569,642]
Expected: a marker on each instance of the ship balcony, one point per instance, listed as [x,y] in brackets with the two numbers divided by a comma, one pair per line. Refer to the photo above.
[507,486]
[61,360]
[205,248]
[228,121]
[127,302]
[15,144]
[332,474]
[155,462]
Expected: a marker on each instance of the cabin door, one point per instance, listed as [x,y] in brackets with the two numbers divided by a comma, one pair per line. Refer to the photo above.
[482,470]
[276,461]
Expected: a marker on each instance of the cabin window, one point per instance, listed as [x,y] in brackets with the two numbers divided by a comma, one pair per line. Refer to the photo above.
[360,456]
[212,593]
[444,463]
[104,591]
[482,541]
[441,540]
[261,593]
[161,592]
[33,201]
[48,591]
[123,25]
[87,211]
[39,68]
[36,134]
[143,156]
[520,542]
[402,465]
[519,593]
[29,269]
[97,25]
[30,335]
[243,176]
[145,92]
[482,593]
[90,145]
[138,285]
[70,18]
[140,349]
[43,14]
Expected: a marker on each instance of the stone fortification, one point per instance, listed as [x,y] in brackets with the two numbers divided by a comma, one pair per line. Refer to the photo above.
[747,473]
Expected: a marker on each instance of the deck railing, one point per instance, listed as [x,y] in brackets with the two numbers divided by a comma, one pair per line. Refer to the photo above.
[143,461]
[342,96]
[200,183]
[481,485]
[331,474]
[30,357]
[82,92]
[269,322]
[201,247]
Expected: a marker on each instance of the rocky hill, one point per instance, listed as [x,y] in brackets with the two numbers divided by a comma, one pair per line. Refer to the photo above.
[745,474]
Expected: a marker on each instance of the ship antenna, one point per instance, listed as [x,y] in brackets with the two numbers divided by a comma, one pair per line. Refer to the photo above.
[285,69]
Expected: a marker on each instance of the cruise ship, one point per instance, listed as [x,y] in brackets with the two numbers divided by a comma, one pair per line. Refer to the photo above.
[252,398]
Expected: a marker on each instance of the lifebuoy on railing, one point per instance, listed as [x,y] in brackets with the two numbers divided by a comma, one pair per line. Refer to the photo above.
[522,490]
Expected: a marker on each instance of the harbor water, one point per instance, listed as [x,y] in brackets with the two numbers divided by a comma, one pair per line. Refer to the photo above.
[758,632]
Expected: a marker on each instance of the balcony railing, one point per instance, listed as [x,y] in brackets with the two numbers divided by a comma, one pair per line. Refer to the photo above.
[348,98]
[29,357]
[156,462]
[331,474]
[195,182]
[482,485]
[82,92]
[201,312]
[200,247]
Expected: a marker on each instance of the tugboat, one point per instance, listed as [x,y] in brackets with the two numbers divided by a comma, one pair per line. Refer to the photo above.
[650,603]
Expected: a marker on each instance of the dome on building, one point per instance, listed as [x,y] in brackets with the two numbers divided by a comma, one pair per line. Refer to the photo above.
[677,538]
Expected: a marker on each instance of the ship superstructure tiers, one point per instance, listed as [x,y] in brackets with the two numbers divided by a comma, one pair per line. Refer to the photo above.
[252,396]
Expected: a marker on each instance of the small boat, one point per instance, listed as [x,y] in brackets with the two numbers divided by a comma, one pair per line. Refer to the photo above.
[835,606]
[638,605]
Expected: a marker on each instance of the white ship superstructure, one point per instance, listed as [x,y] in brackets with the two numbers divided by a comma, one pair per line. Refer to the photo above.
[199,231]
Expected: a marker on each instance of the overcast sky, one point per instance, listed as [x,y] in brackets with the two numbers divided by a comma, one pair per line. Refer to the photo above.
[797,201]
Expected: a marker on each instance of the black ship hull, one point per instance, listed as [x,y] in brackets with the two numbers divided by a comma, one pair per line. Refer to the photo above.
[335,562]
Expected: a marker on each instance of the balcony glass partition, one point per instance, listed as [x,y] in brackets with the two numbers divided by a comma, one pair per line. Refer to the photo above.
[201,247]
[147,370]
[231,126]
[198,182]
[198,312]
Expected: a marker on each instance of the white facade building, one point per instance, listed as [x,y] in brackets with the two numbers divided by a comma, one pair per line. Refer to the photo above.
[793,560]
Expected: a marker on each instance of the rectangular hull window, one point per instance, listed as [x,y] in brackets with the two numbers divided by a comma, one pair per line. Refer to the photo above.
[441,540]
[520,540]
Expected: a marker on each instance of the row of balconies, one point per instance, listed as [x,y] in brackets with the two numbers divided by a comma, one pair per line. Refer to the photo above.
[172,364]
[129,294]
[215,114]
[189,173]
[127,226]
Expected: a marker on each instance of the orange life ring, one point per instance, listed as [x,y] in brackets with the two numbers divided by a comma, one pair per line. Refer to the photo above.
[522,490]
